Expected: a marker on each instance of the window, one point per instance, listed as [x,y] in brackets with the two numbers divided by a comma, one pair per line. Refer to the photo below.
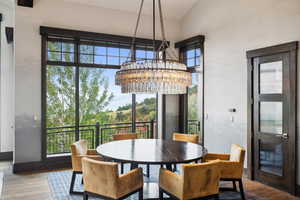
[191,53]
[80,98]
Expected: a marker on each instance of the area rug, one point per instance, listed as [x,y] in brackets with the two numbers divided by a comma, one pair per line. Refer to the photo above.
[59,183]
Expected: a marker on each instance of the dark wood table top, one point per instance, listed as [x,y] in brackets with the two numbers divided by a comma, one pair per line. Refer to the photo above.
[151,151]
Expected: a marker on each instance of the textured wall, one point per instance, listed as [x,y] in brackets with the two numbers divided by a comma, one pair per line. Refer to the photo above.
[57,13]
[231,28]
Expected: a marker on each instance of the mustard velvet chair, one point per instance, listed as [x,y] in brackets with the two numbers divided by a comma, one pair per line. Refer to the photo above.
[186,138]
[101,179]
[125,136]
[80,150]
[199,181]
[231,166]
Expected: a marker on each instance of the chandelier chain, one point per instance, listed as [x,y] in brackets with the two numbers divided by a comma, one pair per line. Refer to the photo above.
[136,29]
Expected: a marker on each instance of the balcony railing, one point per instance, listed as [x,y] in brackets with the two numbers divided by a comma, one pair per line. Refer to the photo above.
[194,127]
[59,139]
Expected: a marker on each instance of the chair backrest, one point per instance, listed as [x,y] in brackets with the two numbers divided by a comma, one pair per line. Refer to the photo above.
[200,180]
[125,136]
[79,148]
[186,138]
[237,153]
[100,177]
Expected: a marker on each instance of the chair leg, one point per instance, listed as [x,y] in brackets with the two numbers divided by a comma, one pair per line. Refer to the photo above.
[85,196]
[242,189]
[174,168]
[234,185]
[122,168]
[141,194]
[161,194]
[72,183]
[148,171]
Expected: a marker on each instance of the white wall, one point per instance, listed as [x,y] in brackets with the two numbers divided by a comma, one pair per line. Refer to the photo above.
[231,28]
[57,13]
[6,79]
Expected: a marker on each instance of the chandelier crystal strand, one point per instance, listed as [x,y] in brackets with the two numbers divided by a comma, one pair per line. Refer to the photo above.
[159,75]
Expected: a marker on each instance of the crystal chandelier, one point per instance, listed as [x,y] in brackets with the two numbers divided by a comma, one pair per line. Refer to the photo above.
[158,75]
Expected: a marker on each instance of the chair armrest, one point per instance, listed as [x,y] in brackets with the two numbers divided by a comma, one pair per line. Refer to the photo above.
[171,182]
[215,156]
[92,152]
[130,181]
[231,169]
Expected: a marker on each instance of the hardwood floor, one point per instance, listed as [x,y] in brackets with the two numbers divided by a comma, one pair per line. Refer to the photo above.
[34,186]
[25,186]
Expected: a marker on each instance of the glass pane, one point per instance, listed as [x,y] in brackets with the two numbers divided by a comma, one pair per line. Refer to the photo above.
[54,56]
[271,155]
[140,54]
[150,55]
[67,47]
[100,50]
[101,60]
[54,46]
[194,105]
[101,101]
[86,59]
[190,53]
[191,62]
[145,115]
[198,52]
[124,52]
[68,57]
[60,114]
[145,107]
[113,60]
[271,77]
[86,49]
[197,61]
[113,51]
[271,117]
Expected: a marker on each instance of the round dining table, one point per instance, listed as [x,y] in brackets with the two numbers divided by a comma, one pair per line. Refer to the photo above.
[151,152]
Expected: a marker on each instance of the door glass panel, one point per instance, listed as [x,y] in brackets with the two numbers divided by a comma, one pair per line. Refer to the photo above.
[271,77]
[60,114]
[271,158]
[271,117]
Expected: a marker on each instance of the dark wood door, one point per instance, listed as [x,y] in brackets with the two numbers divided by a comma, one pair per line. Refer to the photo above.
[274,112]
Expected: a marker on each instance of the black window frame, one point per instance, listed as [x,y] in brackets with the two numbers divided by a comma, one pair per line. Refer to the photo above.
[78,38]
[184,46]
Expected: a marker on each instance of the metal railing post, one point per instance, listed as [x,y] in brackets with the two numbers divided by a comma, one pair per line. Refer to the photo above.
[152,129]
[97,133]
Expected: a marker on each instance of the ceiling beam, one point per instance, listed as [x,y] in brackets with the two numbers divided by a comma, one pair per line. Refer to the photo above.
[25,3]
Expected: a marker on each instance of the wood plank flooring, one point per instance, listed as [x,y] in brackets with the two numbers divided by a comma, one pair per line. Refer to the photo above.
[34,186]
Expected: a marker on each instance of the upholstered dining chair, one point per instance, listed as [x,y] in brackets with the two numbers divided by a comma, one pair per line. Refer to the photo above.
[80,150]
[102,179]
[181,137]
[199,181]
[186,138]
[231,166]
[128,136]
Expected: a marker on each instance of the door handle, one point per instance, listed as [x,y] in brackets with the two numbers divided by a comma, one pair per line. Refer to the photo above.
[285,136]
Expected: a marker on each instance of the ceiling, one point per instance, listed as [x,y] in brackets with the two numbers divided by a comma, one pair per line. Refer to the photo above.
[173,9]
